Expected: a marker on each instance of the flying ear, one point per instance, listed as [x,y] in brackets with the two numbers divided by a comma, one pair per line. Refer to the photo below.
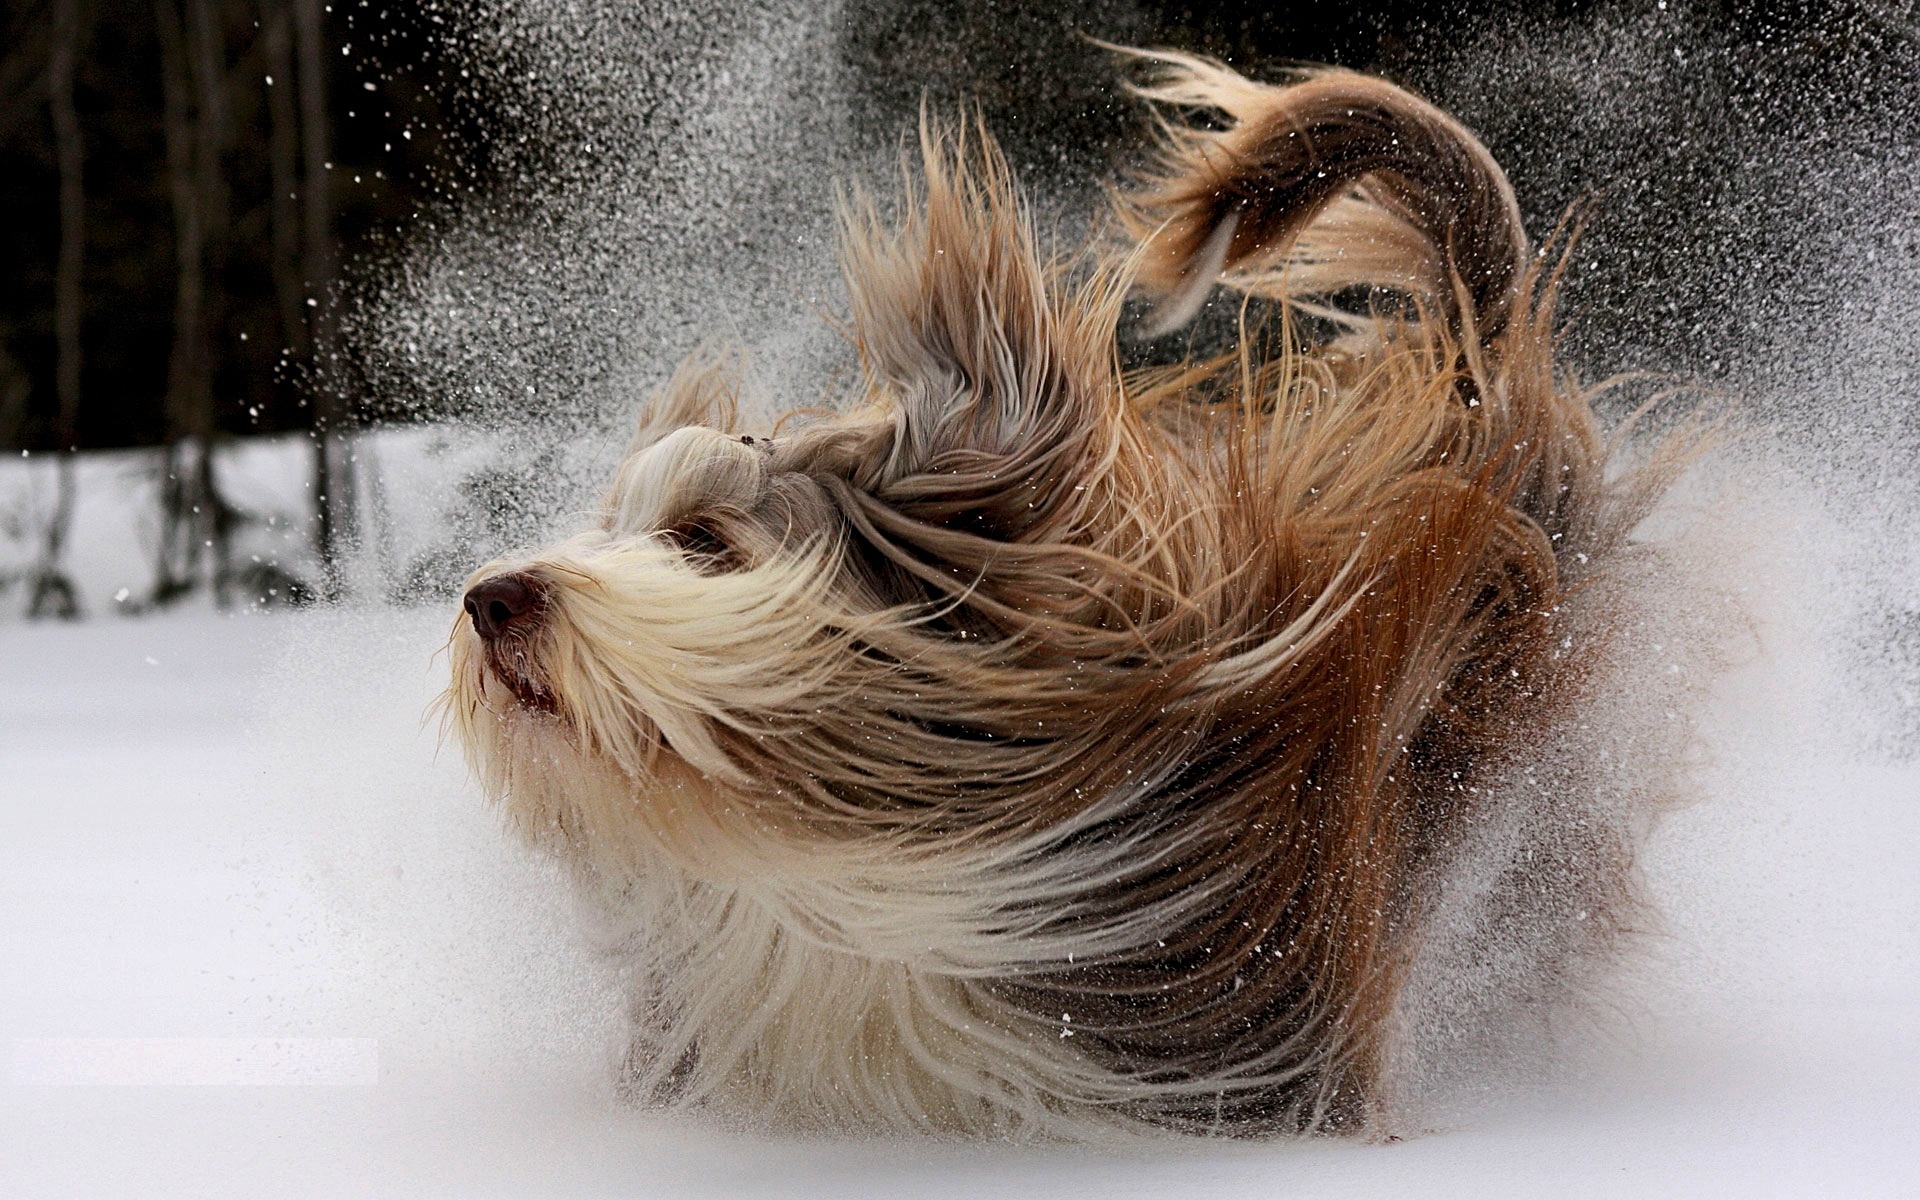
[999,374]
[704,390]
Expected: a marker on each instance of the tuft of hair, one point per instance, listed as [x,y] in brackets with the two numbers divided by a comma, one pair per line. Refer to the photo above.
[1035,749]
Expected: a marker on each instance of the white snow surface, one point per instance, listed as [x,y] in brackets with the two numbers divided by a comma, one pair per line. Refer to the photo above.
[244,831]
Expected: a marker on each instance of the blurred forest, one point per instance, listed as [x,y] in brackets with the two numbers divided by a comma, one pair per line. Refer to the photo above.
[190,186]
[183,182]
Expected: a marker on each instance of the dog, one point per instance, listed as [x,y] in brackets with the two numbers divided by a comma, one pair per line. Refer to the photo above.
[1037,747]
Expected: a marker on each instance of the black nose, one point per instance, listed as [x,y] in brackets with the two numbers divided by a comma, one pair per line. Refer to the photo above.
[505,602]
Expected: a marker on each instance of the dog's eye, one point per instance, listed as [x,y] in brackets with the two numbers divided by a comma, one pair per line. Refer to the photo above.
[707,550]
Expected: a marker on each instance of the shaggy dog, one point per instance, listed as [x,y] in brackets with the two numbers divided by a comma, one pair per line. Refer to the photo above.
[1038,748]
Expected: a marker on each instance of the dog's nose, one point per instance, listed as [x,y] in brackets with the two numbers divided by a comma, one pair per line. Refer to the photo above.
[505,602]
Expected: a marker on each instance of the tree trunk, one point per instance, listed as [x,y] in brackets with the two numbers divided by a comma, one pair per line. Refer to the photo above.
[53,592]
[189,390]
[333,449]
[207,50]
[196,521]
[283,164]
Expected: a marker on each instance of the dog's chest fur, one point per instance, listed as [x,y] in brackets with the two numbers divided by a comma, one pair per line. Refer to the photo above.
[826,1004]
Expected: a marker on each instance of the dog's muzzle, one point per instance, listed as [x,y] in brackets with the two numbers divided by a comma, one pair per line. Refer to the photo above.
[505,605]
[507,612]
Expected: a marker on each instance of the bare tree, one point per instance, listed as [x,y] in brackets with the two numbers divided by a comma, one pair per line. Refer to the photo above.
[196,521]
[283,165]
[333,444]
[53,594]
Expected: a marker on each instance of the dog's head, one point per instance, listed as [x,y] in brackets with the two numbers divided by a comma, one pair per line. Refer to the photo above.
[898,609]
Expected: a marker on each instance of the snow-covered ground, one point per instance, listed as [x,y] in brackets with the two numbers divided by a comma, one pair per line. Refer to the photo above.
[242,835]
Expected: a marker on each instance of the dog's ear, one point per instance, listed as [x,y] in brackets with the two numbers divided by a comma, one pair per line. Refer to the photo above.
[704,390]
[997,374]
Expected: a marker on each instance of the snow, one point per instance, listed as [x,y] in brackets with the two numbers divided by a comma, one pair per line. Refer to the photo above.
[243,831]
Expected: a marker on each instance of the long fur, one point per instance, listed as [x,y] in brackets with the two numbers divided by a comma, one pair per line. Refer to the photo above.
[1037,749]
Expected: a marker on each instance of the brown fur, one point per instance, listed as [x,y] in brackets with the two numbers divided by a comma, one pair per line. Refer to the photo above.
[1161,694]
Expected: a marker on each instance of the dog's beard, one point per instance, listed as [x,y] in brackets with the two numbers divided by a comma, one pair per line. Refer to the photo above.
[513,664]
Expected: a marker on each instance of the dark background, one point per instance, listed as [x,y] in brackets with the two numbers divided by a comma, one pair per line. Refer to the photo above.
[224,227]
[399,153]
[409,141]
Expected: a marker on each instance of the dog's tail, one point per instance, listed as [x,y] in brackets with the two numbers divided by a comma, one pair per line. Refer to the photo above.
[1334,181]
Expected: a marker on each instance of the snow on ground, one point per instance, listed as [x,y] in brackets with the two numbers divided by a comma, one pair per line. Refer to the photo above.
[243,834]
[408,481]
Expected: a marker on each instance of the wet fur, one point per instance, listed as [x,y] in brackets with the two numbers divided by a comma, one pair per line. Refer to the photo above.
[1039,749]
